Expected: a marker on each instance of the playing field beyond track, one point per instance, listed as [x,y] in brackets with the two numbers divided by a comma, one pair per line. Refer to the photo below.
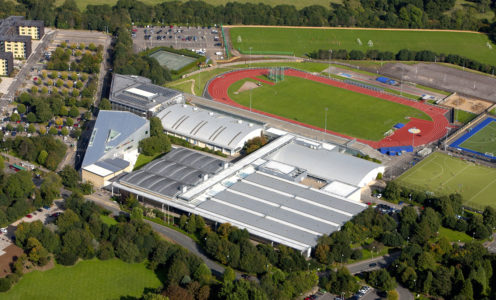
[443,174]
[349,112]
[483,141]
[305,40]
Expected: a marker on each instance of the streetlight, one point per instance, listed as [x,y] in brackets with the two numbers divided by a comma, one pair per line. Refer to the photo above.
[250,100]
[330,58]
[325,120]
[446,138]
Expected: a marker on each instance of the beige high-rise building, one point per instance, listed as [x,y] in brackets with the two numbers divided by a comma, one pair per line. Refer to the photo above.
[16,34]
[6,63]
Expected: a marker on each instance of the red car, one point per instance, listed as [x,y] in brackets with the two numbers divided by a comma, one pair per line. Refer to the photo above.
[76,125]
[135,30]
[29,216]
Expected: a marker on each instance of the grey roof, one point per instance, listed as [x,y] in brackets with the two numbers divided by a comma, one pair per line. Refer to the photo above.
[259,222]
[111,129]
[290,202]
[180,167]
[207,126]
[282,208]
[121,83]
[6,55]
[305,192]
[113,164]
[329,165]
[8,26]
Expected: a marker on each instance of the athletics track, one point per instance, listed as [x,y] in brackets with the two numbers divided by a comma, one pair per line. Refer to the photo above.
[430,130]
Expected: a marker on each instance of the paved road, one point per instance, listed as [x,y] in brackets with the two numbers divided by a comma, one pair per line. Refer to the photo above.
[33,58]
[404,293]
[381,262]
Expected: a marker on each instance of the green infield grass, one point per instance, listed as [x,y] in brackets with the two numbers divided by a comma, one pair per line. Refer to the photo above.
[91,279]
[442,174]
[349,112]
[305,40]
[483,141]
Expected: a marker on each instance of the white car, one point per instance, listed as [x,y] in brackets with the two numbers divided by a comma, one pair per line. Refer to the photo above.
[3,230]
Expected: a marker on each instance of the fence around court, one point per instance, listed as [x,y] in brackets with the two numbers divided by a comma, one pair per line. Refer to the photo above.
[252,52]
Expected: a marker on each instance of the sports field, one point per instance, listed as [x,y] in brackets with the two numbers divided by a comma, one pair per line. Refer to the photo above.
[349,112]
[93,279]
[172,61]
[305,40]
[484,141]
[443,174]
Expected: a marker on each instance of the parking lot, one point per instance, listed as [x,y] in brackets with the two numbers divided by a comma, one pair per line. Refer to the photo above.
[207,39]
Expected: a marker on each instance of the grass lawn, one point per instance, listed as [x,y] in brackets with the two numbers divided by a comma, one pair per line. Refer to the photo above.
[483,141]
[305,40]
[299,4]
[454,236]
[305,101]
[143,160]
[464,116]
[442,174]
[108,220]
[92,279]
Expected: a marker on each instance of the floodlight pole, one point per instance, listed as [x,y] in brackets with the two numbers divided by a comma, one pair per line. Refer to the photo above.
[250,100]
[446,138]
[330,58]
[250,60]
[325,121]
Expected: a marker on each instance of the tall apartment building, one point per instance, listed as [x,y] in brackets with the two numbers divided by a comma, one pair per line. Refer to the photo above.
[16,34]
[6,63]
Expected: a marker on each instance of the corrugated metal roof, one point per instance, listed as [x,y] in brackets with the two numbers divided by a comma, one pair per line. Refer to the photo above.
[180,167]
[206,126]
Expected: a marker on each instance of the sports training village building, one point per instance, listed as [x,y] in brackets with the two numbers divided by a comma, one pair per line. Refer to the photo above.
[290,191]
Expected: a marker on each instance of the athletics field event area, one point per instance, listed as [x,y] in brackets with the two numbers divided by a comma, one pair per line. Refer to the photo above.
[480,139]
[372,117]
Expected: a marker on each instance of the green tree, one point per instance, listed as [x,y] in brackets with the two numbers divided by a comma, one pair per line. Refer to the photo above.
[42,157]
[156,128]
[489,217]
[392,295]
[105,105]
[52,131]
[64,131]
[73,112]
[59,83]
[21,108]
[137,213]
[69,121]
[70,177]
[15,117]
[67,221]
[229,275]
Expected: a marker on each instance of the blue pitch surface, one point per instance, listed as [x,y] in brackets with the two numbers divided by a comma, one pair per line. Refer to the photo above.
[456,144]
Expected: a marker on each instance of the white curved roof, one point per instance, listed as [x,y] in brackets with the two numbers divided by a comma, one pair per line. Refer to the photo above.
[329,164]
[207,126]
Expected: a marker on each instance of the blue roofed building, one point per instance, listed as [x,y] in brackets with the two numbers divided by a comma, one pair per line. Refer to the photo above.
[113,146]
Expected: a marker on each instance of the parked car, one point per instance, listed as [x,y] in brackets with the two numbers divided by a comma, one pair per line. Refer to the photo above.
[3,230]
[29,216]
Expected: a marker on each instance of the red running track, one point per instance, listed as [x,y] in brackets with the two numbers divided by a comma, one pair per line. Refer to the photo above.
[430,130]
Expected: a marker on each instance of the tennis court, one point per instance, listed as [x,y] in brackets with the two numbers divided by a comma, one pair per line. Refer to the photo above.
[172,61]
[442,174]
